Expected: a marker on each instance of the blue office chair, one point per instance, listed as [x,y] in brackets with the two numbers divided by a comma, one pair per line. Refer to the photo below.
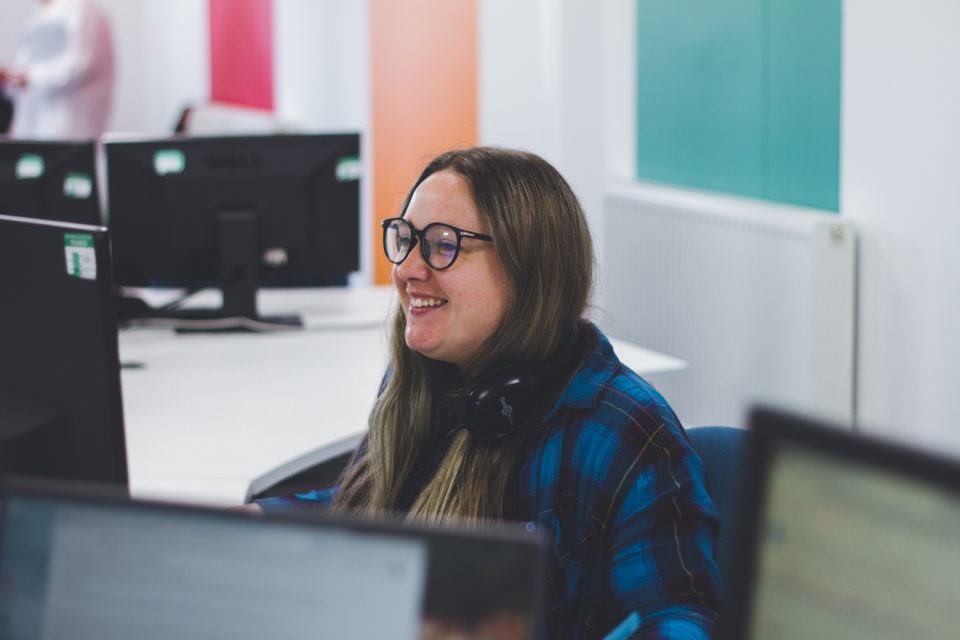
[723,451]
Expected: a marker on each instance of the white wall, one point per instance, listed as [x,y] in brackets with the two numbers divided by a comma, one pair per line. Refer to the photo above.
[542,87]
[519,75]
[619,89]
[162,58]
[321,63]
[901,185]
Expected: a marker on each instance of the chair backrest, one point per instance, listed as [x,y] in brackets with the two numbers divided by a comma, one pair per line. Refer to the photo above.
[723,451]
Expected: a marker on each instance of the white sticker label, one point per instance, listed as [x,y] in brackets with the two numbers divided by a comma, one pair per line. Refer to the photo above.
[77,185]
[81,256]
[169,161]
[29,166]
[349,168]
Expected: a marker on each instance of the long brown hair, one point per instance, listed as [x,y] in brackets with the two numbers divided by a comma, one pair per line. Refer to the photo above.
[542,239]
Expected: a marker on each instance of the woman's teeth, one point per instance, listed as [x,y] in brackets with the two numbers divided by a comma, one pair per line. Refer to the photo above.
[418,303]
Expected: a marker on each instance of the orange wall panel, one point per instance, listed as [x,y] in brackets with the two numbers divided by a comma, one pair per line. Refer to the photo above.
[424,93]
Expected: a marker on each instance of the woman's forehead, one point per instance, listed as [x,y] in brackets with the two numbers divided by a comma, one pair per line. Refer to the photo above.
[443,197]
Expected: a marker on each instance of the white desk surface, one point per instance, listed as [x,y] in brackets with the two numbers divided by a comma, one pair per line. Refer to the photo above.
[211,418]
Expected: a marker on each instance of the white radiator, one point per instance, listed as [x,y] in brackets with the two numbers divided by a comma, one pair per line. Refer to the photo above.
[758,298]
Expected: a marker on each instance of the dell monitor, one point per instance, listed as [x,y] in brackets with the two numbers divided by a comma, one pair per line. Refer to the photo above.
[49,180]
[235,213]
[60,405]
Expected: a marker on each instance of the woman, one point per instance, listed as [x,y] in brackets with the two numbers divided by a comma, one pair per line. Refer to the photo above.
[503,403]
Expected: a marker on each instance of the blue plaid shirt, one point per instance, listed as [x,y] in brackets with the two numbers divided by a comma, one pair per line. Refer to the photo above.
[621,495]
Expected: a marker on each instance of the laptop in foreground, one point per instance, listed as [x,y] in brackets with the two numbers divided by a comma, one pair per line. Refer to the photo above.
[79,565]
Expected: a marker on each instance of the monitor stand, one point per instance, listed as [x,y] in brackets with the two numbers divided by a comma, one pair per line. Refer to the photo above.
[239,266]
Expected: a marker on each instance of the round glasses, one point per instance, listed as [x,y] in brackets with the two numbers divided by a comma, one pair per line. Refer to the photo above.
[439,242]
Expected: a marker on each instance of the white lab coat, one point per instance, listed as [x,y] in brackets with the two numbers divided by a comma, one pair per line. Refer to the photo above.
[67,54]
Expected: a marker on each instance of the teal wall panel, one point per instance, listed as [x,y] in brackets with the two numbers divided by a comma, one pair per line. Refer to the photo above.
[741,96]
[697,126]
[803,97]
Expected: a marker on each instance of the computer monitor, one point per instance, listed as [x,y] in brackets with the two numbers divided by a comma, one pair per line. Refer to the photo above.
[235,213]
[60,405]
[81,565]
[49,180]
[845,536]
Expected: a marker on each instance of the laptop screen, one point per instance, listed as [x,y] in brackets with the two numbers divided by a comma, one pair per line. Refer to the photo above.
[84,568]
[853,539]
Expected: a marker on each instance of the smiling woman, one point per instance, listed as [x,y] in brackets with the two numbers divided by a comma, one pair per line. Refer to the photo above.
[502,403]
[451,310]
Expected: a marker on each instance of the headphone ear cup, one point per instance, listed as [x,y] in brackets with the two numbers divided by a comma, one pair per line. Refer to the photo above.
[507,396]
[498,402]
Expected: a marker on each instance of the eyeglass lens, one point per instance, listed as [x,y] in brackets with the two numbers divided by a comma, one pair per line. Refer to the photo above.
[439,244]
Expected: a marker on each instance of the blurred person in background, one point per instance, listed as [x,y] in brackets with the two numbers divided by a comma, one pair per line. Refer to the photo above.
[61,79]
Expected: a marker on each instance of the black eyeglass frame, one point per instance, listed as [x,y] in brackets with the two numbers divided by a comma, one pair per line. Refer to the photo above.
[417,235]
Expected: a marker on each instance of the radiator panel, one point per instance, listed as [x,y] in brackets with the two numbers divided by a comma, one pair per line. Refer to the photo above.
[758,299]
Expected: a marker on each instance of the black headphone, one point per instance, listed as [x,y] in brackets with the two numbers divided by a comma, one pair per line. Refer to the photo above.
[506,397]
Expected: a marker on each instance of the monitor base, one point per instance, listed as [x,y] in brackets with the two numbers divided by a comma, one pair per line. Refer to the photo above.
[215,321]
[136,312]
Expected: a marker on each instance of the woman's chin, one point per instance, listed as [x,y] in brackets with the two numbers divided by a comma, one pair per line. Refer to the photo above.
[424,345]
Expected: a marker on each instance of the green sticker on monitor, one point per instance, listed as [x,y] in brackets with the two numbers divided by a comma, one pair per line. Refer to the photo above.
[29,166]
[169,161]
[349,168]
[81,255]
[78,185]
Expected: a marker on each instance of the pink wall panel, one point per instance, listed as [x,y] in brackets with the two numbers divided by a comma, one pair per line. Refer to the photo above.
[241,52]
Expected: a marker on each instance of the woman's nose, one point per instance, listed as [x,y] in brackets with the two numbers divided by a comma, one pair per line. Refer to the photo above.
[413,267]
